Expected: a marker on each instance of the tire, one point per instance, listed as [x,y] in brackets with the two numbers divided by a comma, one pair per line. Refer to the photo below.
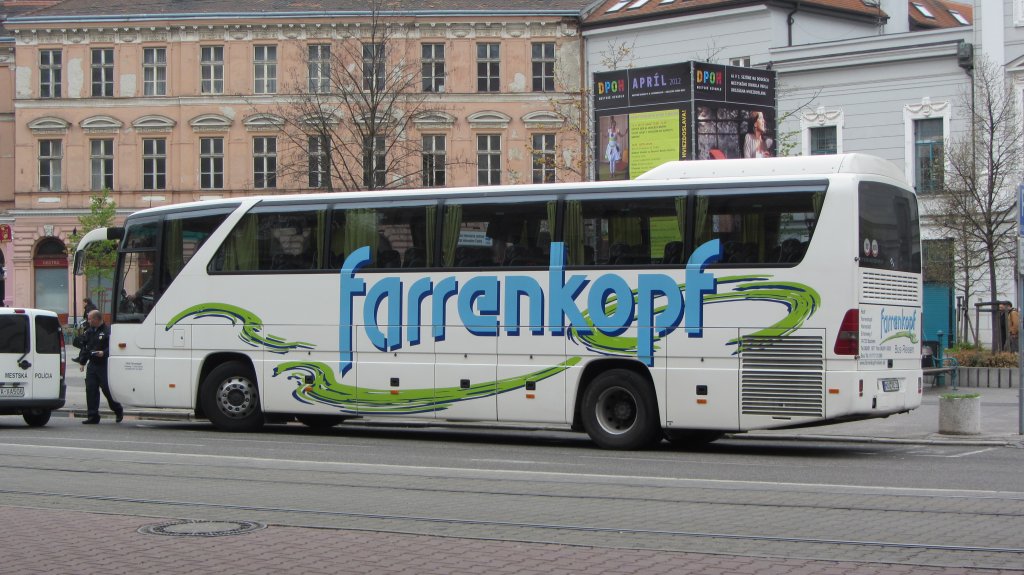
[320,422]
[230,398]
[36,417]
[692,437]
[620,412]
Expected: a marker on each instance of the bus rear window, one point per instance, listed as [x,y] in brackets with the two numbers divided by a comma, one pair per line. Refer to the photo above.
[890,237]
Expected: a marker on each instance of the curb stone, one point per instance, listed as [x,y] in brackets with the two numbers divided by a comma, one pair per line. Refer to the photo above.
[933,439]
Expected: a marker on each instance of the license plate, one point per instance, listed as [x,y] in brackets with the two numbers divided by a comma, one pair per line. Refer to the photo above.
[890,385]
[12,392]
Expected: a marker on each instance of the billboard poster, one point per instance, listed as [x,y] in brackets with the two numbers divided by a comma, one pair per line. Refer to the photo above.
[685,111]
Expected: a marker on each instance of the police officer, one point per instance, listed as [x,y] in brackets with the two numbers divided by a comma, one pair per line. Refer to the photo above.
[94,354]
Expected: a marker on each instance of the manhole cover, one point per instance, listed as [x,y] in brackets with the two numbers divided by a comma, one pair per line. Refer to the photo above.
[192,528]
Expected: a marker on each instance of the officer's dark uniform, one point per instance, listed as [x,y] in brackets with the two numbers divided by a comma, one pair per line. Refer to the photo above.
[97,339]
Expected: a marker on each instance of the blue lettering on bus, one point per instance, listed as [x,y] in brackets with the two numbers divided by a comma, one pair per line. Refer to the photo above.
[658,307]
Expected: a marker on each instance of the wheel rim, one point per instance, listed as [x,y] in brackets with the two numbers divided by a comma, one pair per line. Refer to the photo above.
[616,410]
[236,397]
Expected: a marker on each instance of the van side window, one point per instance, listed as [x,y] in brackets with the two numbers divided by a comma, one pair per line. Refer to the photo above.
[48,334]
[508,234]
[13,333]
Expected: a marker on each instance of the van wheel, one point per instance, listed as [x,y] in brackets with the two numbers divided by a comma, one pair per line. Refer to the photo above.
[231,399]
[320,422]
[620,412]
[36,417]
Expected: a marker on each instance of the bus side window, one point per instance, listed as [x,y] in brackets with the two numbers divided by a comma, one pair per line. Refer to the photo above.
[274,238]
[637,231]
[396,235]
[507,234]
[758,228]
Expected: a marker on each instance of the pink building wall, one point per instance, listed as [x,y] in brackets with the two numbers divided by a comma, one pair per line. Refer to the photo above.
[516,112]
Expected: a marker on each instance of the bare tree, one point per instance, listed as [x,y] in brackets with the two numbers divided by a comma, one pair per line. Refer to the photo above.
[349,117]
[977,205]
[572,103]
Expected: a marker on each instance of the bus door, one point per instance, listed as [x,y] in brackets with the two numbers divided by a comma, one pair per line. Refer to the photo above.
[702,380]
[131,368]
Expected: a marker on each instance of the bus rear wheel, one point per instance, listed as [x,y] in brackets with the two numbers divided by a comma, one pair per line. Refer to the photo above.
[36,417]
[231,399]
[620,412]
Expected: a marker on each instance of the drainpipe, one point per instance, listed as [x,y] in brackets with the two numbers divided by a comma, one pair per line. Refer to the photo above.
[790,21]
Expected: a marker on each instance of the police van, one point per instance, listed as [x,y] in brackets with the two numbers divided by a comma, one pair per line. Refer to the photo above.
[32,364]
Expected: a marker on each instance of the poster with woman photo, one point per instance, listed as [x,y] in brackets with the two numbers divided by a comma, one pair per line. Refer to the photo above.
[613,143]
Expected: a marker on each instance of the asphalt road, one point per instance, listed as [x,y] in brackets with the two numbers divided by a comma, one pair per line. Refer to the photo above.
[910,505]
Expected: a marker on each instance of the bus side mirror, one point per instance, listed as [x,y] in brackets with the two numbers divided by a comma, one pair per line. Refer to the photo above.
[115,233]
[79,264]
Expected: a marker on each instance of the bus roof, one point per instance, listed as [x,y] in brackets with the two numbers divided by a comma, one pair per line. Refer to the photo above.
[790,166]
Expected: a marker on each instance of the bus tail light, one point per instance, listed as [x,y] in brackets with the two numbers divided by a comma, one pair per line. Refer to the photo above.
[848,340]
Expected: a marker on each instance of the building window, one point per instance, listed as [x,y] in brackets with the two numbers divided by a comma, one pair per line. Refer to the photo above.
[928,155]
[488,160]
[433,67]
[318,162]
[544,67]
[103,72]
[433,160]
[319,68]
[212,67]
[101,160]
[265,69]
[374,162]
[211,163]
[823,140]
[154,164]
[49,73]
[543,158]
[741,62]
[264,162]
[488,67]
[50,155]
[154,71]
[373,67]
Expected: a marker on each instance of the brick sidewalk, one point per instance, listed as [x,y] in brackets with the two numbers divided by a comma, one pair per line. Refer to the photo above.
[42,541]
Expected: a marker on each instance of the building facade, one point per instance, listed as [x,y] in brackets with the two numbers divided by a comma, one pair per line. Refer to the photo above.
[186,104]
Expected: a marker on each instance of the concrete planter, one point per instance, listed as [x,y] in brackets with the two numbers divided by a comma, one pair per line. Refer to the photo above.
[988,377]
[960,415]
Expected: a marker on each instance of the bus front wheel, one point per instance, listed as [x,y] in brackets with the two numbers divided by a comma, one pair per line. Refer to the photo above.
[620,412]
[230,398]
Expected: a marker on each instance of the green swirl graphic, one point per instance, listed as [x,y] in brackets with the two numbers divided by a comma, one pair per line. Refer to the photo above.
[252,326]
[907,334]
[315,383]
[800,300]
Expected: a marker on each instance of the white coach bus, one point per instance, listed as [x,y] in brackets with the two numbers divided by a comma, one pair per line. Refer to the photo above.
[703,298]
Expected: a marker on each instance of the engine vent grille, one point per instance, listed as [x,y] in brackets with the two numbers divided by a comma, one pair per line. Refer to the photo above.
[782,376]
[889,288]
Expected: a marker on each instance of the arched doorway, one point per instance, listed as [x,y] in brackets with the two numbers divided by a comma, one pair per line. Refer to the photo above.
[51,276]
